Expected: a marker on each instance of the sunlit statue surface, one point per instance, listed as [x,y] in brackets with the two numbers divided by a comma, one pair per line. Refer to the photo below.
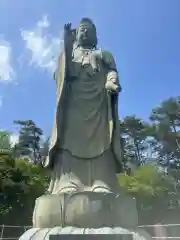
[85,151]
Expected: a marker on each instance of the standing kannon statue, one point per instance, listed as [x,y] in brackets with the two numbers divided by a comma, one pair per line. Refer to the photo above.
[85,152]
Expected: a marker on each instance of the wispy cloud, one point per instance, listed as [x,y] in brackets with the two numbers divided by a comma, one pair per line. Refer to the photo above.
[7,73]
[43,47]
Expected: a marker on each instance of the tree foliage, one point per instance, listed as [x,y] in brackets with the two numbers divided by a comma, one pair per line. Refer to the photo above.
[5,144]
[166,119]
[29,139]
[20,183]
[134,133]
[146,181]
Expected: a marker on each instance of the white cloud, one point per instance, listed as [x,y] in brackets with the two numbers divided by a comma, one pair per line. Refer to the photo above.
[7,73]
[43,23]
[14,138]
[43,47]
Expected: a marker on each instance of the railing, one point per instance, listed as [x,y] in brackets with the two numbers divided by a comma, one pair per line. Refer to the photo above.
[158,231]
[13,232]
[162,231]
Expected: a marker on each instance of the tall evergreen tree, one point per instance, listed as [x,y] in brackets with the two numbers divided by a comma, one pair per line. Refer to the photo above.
[29,139]
[134,133]
[166,119]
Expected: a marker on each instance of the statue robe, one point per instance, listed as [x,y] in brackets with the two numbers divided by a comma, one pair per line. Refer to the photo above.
[85,150]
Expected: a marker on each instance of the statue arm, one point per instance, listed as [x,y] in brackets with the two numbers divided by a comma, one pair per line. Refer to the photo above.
[54,76]
[69,38]
[112,73]
[57,68]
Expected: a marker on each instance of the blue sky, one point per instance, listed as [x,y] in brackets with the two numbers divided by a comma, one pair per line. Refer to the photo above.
[143,35]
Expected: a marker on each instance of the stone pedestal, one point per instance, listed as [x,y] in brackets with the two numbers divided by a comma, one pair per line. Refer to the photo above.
[85,213]
[118,233]
[85,210]
[121,233]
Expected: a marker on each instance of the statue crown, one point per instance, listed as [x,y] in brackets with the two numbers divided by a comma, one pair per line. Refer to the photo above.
[86,21]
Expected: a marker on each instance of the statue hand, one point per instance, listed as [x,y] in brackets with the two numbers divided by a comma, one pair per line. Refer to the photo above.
[67,27]
[112,86]
[67,31]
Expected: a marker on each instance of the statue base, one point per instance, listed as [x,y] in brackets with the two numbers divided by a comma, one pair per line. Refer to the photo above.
[85,210]
[58,233]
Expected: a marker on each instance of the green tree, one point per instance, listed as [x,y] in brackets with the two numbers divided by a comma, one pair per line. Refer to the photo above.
[21,183]
[166,122]
[146,183]
[134,133]
[169,113]
[5,144]
[154,191]
[29,139]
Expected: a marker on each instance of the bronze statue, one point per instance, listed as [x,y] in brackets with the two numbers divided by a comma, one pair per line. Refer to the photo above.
[85,151]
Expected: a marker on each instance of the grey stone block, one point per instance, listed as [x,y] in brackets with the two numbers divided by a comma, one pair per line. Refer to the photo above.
[84,210]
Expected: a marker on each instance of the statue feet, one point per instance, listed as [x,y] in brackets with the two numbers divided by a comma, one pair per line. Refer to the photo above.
[85,210]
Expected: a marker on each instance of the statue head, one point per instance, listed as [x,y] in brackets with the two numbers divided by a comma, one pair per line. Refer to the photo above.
[86,33]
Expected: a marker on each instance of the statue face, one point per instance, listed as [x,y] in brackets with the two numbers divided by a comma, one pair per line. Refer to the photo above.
[86,35]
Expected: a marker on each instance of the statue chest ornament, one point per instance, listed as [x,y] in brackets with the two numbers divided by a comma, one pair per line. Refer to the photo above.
[86,61]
